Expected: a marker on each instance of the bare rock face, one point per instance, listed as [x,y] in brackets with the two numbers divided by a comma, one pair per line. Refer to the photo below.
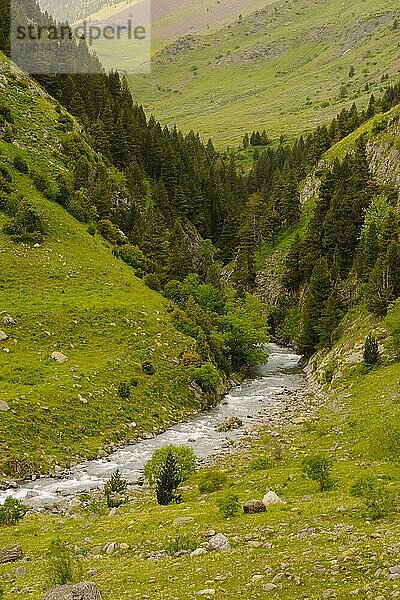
[80,591]
[10,554]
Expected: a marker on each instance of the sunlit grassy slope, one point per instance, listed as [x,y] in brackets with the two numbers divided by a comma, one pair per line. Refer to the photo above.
[73,296]
[284,68]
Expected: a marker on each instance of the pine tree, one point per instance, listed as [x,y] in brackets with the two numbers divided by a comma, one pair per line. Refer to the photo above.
[384,282]
[317,294]
[168,482]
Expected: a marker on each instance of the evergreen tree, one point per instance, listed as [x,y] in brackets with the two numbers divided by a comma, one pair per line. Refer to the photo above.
[168,482]
[317,295]
[371,350]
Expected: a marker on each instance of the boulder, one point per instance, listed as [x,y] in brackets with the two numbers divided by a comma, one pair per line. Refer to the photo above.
[3,336]
[198,552]
[59,357]
[272,498]
[253,507]
[9,321]
[219,543]
[10,554]
[183,520]
[229,424]
[80,591]
[4,406]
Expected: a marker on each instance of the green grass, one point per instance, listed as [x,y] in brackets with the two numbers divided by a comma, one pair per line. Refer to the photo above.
[325,540]
[311,47]
[72,295]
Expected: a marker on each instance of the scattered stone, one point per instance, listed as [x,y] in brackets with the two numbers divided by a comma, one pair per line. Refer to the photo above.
[198,552]
[268,587]
[10,554]
[183,520]
[9,321]
[253,507]
[113,512]
[229,424]
[4,407]
[20,572]
[110,547]
[82,399]
[395,570]
[208,592]
[219,543]
[272,498]
[80,591]
[124,546]
[59,357]
[3,336]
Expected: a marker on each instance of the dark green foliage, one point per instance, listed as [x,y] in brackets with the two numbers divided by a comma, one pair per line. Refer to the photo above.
[148,368]
[384,282]
[11,511]
[124,390]
[318,468]
[115,490]
[261,464]
[371,350]
[179,542]
[20,164]
[27,225]
[60,563]
[168,482]
[229,505]
[184,457]
[206,376]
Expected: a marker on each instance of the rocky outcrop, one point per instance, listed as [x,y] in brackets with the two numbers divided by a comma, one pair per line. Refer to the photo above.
[10,554]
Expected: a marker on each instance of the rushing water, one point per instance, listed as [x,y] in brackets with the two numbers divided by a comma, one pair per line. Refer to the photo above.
[281,372]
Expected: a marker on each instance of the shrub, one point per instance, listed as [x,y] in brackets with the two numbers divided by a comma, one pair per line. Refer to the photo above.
[92,230]
[20,164]
[124,390]
[60,567]
[229,505]
[27,225]
[44,184]
[185,460]
[362,485]
[5,115]
[152,281]
[12,511]
[211,481]
[379,502]
[318,468]
[178,543]
[371,350]
[110,232]
[190,358]
[168,481]
[148,368]
[115,490]
[206,376]
[261,464]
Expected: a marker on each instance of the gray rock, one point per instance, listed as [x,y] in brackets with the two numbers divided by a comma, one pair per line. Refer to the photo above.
[253,507]
[207,592]
[229,424]
[20,572]
[268,587]
[10,554]
[4,406]
[198,552]
[80,591]
[9,321]
[59,357]
[395,570]
[272,498]
[219,543]
[3,336]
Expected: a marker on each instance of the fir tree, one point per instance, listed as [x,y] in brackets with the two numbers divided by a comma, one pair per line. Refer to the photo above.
[371,350]
[168,482]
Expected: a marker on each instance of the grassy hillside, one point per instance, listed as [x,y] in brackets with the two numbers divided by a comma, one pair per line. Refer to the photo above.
[284,68]
[317,545]
[73,296]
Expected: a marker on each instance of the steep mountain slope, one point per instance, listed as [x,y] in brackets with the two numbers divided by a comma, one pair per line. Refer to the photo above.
[284,68]
[69,294]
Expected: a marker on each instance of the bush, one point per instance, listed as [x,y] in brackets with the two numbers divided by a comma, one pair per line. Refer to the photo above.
[92,230]
[318,468]
[12,511]
[206,376]
[261,464]
[60,567]
[229,505]
[124,390]
[44,184]
[362,485]
[5,115]
[115,490]
[185,460]
[27,225]
[371,350]
[190,358]
[211,481]
[111,233]
[379,502]
[178,543]
[153,282]
[148,368]
[20,164]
